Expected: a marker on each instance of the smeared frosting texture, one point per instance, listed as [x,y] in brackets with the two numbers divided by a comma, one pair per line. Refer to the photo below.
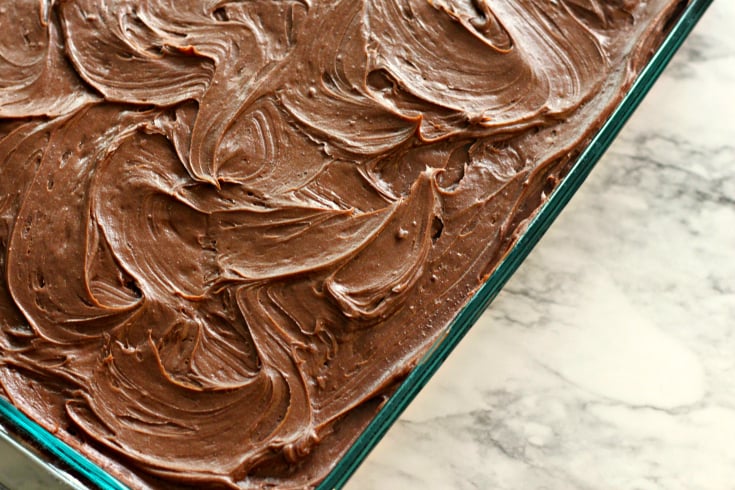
[228,229]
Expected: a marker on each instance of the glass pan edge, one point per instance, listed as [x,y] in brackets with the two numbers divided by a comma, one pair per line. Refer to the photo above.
[24,434]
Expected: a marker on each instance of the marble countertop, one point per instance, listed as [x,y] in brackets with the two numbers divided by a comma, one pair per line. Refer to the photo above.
[608,361]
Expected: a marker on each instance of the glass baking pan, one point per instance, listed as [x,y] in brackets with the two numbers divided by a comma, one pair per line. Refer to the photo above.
[34,458]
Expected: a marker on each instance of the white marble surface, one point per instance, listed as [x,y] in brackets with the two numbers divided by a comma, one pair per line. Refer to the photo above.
[608,361]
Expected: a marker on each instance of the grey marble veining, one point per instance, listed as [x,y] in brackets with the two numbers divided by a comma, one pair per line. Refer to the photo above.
[608,361]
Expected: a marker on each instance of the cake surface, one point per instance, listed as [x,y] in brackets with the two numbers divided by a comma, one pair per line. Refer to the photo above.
[228,230]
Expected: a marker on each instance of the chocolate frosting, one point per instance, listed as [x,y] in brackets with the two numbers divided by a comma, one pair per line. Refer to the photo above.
[228,229]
